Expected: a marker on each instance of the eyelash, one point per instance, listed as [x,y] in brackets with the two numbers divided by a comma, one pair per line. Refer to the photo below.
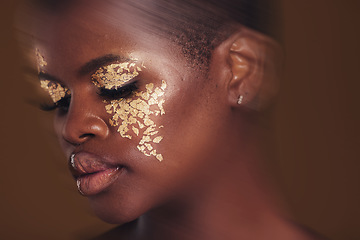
[122,92]
[109,94]
[63,105]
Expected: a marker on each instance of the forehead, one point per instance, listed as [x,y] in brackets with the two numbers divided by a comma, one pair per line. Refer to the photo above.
[88,30]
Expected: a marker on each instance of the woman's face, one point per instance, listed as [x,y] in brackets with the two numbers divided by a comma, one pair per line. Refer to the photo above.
[140,127]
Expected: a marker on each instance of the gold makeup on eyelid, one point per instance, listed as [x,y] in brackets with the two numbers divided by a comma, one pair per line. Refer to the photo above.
[114,76]
[135,114]
[55,90]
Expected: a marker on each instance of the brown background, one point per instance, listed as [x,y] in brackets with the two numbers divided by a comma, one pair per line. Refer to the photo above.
[317,123]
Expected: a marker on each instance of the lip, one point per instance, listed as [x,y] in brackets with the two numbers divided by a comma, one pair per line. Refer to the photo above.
[92,174]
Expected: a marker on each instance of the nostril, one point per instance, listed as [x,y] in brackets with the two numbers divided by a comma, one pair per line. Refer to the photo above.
[80,139]
[87,135]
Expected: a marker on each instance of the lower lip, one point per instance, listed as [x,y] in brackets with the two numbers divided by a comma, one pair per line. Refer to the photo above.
[95,183]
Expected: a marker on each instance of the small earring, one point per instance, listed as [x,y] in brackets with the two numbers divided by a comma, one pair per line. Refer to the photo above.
[240,99]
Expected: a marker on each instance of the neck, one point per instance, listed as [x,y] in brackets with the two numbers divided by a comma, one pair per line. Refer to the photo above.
[238,202]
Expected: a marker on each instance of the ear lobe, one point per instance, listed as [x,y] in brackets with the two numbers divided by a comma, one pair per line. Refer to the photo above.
[254,72]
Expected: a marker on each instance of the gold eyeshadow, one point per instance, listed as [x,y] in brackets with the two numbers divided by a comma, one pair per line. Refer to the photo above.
[134,116]
[115,75]
[55,90]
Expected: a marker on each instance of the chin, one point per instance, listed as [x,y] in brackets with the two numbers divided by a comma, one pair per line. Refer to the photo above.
[118,211]
[116,216]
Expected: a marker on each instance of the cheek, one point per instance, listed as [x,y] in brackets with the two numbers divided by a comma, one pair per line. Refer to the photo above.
[136,117]
[58,124]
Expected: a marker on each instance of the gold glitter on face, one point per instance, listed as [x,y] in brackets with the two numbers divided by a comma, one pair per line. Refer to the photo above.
[40,59]
[136,115]
[55,90]
[133,115]
[115,75]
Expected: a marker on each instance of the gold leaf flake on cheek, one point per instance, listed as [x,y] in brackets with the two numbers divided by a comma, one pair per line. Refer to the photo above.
[115,75]
[135,117]
[55,90]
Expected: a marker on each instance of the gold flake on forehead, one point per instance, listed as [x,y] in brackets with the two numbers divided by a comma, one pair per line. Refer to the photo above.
[40,59]
[55,90]
[115,75]
[136,115]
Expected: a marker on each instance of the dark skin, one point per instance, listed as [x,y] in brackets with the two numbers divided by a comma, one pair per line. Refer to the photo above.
[210,184]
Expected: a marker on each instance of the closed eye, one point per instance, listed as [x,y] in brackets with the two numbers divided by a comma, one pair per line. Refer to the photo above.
[63,105]
[122,92]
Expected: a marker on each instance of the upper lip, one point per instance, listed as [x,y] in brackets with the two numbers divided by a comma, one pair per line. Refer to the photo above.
[84,163]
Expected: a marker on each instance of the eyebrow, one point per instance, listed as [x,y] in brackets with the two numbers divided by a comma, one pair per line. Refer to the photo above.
[96,63]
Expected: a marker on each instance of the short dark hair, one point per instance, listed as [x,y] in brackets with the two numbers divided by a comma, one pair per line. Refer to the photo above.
[199,26]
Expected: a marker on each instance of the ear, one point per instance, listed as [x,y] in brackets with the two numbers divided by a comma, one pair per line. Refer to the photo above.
[255,63]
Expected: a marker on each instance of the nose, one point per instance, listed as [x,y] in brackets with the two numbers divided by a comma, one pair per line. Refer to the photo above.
[84,121]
